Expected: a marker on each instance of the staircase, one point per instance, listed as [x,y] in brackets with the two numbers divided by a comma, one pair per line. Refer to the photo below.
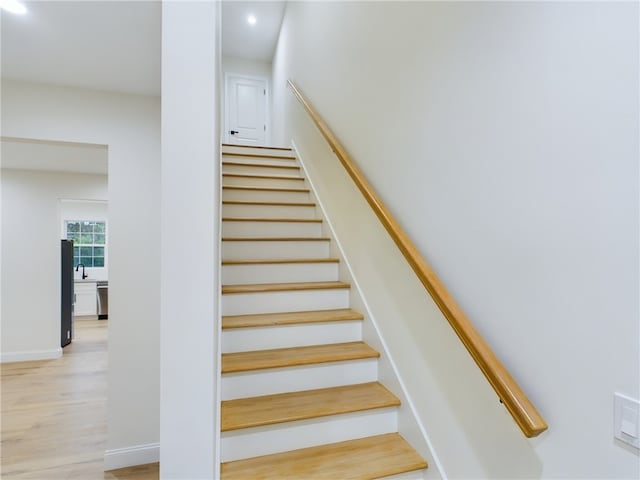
[300,396]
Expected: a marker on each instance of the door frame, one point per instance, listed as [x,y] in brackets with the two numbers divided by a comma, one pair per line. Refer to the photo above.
[267,105]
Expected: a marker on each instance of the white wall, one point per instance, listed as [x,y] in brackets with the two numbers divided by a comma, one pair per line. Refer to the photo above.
[31,233]
[130,126]
[190,313]
[250,68]
[244,66]
[504,137]
[71,209]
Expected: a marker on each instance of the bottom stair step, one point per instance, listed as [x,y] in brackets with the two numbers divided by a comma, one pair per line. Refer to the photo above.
[365,458]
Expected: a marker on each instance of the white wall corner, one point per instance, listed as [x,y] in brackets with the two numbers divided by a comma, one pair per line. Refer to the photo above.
[130,456]
[190,166]
[31,355]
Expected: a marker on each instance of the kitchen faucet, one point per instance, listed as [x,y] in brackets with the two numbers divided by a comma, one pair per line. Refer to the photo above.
[84,275]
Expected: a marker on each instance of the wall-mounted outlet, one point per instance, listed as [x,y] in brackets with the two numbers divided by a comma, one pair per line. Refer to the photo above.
[626,419]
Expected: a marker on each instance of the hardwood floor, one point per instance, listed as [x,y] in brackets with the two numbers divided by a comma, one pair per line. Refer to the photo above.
[53,414]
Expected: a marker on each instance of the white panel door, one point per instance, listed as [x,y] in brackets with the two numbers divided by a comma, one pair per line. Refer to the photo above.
[246,114]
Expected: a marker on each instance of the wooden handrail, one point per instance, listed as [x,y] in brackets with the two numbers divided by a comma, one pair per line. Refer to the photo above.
[510,394]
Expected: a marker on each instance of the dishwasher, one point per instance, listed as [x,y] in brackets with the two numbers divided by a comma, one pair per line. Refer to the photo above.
[102,294]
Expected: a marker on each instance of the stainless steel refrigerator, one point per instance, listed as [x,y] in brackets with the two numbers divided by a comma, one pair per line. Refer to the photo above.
[67,295]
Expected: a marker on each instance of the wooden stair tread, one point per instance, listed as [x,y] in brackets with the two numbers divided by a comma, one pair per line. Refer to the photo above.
[362,459]
[276,239]
[289,318]
[256,146]
[278,261]
[282,287]
[270,177]
[258,155]
[274,220]
[266,165]
[265,189]
[296,356]
[292,406]
[277,204]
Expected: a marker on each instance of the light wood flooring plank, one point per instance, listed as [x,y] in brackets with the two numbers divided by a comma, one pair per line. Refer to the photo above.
[276,239]
[266,165]
[257,155]
[257,175]
[289,318]
[265,189]
[282,287]
[54,413]
[272,220]
[296,356]
[279,204]
[150,471]
[280,261]
[361,459]
[288,407]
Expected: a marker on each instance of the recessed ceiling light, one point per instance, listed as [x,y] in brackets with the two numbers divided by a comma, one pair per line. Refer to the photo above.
[251,19]
[13,6]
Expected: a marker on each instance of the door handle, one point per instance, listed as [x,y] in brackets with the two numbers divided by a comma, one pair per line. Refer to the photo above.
[233,132]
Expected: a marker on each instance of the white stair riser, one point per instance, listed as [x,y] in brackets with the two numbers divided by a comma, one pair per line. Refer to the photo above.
[257,250]
[286,301]
[292,379]
[263,149]
[271,229]
[268,211]
[264,195]
[287,336]
[253,442]
[253,168]
[263,182]
[245,159]
[279,273]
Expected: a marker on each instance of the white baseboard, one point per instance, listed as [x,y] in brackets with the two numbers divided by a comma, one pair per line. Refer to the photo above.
[131,456]
[31,355]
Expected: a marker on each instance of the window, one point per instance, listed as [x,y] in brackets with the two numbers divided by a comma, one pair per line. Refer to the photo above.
[89,241]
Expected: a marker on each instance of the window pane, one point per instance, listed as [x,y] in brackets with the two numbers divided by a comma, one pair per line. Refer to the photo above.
[73,227]
[98,251]
[73,236]
[86,252]
[98,261]
[76,261]
[100,227]
[98,239]
[86,238]
[87,227]
[87,261]
[76,251]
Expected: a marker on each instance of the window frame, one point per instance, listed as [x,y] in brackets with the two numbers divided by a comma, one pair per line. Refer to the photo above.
[77,259]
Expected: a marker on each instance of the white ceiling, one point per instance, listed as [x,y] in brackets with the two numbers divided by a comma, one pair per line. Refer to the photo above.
[116,45]
[257,42]
[101,45]
[17,153]
[111,46]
